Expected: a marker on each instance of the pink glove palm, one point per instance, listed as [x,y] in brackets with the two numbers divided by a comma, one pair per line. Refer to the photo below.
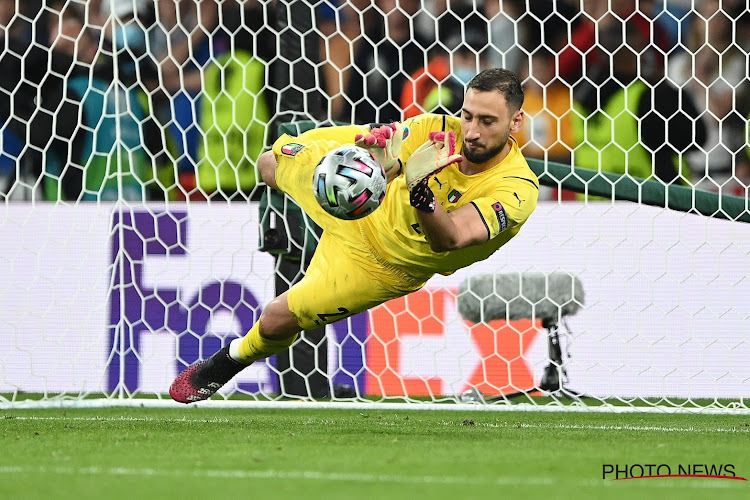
[384,143]
[431,157]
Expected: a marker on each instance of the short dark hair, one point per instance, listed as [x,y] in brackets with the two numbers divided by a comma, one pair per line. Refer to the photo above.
[503,81]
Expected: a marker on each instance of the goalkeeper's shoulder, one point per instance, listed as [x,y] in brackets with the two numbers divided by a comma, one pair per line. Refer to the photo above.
[420,126]
[317,140]
[340,134]
[302,148]
[516,165]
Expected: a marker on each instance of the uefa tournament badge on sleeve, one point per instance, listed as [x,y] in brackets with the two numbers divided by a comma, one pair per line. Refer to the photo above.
[502,217]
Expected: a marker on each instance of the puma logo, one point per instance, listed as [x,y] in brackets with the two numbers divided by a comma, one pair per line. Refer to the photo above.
[518,198]
[440,184]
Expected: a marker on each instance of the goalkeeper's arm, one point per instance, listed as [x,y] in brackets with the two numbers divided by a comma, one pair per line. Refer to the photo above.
[443,231]
[332,136]
[450,231]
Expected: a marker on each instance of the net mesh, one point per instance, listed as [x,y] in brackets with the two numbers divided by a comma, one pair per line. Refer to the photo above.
[138,236]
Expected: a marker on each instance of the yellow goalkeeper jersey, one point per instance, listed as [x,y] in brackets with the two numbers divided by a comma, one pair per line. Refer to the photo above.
[504,196]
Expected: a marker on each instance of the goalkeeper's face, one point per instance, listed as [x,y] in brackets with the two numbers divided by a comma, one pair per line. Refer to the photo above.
[486,125]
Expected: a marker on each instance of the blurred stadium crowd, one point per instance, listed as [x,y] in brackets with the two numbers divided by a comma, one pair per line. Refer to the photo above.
[139,99]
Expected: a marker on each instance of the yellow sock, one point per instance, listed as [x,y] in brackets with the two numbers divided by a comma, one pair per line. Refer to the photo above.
[253,346]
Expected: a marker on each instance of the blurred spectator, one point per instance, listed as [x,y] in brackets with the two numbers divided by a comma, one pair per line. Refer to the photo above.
[7,12]
[117,142]
[11,145]
[627,127]
[584,57]
[439,88]
[392,50]
[20,166]
[508,33]
[234,109]
[11,148]
[536,24]
[74,50]
[125,31]
[547,132]
[674,19]
[713,70]
[35,103]
[83,131]
[464,51]
[341,26]
[183,39]
[80,131]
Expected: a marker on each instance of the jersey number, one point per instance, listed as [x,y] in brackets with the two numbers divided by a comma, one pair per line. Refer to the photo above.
[343,311]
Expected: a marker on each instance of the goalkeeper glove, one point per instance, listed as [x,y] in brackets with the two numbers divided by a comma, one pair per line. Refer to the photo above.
[384,143]
[431,157]
[421,197]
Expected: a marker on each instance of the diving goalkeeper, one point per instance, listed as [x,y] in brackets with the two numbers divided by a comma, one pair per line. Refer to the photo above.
[442,211]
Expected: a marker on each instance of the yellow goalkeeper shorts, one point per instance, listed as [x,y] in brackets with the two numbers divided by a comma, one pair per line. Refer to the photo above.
[345,276]
[342,281]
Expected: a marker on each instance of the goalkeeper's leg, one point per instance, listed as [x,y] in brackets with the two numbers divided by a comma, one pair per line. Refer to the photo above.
[343,279]
[274,332]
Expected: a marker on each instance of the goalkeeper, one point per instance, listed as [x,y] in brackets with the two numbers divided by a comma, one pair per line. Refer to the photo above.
[442,211]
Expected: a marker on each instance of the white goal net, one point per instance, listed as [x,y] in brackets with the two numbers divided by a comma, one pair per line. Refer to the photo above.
[137,237]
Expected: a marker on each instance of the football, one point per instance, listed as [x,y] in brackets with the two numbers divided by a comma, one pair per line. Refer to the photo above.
[349,183]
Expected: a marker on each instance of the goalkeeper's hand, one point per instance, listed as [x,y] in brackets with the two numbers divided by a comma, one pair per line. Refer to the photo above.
[384,143]
[431,157]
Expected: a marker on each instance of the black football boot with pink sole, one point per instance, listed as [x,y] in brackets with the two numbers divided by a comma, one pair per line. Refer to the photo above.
[201,380]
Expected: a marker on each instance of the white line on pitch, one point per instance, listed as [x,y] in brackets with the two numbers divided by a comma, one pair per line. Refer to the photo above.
[509,425]
[275,474]
[349,477]
[524,425]
[637,428]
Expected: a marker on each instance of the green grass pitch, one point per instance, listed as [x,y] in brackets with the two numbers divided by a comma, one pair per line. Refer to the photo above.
[349,454]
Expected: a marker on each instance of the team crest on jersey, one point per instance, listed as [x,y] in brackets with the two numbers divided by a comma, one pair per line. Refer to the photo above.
[292,148]
[502,217]
[453,196]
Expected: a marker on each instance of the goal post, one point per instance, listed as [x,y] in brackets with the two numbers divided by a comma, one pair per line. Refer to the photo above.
[137,237]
